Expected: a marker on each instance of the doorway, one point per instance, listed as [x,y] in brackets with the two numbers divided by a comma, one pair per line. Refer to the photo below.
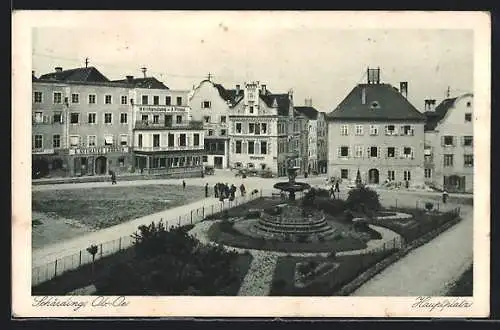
[373,176]
[218,162]
[100,165]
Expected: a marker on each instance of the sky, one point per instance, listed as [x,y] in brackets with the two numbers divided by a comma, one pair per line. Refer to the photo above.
[319,61]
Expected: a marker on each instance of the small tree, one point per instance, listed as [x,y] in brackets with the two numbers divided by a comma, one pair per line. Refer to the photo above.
[358,179]
[93,251]
[429,206]
[363,199]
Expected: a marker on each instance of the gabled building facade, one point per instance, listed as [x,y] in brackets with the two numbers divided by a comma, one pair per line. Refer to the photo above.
[259,126]
[210,103]
[377,131]
[449,144]
[313,136]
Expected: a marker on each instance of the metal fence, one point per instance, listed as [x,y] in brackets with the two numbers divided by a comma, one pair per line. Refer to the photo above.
[58,267]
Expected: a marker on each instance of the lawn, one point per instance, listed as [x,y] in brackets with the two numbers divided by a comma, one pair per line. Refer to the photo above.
[98,208]
[349,267]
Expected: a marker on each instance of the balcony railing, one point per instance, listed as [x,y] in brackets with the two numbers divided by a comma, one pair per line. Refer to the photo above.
[191,125]
[168,148]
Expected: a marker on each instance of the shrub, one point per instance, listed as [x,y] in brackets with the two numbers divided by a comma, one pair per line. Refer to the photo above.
[331,206]
[429,206]
[252,214]
[348,215]
[363,199]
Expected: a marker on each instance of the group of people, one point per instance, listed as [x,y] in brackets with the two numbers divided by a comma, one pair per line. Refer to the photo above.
[225,191]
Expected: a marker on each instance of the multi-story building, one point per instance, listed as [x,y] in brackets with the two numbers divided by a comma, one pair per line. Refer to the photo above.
[322,142]
[377,131]
[449,142]
[85,120]
[210,103]
[165,139]
[259,126]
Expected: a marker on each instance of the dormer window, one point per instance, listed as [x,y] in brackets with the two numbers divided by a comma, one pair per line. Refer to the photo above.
[374,105]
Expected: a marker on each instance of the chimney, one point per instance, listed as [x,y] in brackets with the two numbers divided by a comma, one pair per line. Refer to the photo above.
[363,95]
[290,94]
[373,76]
[403,88]
[58,69]
[263,89]
[237,89]
[144,70]
[432,105]
[426,105]
[130,78]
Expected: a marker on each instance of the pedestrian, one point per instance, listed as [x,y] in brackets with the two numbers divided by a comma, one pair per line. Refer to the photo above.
[445,196]
[332,193]
[183,184]
[337,188]
[233,192]
[227,191]
[242,190]
[206,190]
[113,177]
[216,190]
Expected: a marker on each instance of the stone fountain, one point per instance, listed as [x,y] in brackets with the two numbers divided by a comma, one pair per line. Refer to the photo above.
[291,187]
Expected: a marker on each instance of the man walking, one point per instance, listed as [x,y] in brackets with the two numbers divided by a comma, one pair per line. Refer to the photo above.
[183,184]
[337,188]
[113,177]
[206,190]
[216,190]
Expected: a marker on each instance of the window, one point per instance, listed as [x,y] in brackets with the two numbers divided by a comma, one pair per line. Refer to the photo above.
[74,117]
[91,118]
[91,140]
[390,130]
[121,161]
[251,128]
[38,117]
[238,127]
[57,97]
[344,151]
[124,99]
[57,117]
[145,99]
[238,147]
[205,159]
[468,160]
[123,139]
[37,97]
[156,119]
[178,119]
[38,141]
[196,139]
[156,140]
[74,141]
[56,141]
[406,175]
[206,105]
[107,99]
[168,100]
[263,128]
[448,160]
[182,140]
[179,100]
[75,98]
[207,119]
[144,118]
[344,173]
[344,130]
[91,98]
[427,173]
[251,147]
[373,152]
[467,141]
[223,132]
[391,152]
[223,119]
[263,147]
[373,130]
[407,130]
[108,140]
[468,117]
[359,129]
[251,109]
[391,175]
[123,118]
[108,118]
[407,153]
[358,151]
[156,100]
[139,140]
[210,132]
[171,139]
[448,141]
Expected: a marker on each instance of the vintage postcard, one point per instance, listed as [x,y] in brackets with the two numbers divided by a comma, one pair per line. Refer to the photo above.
[260,163]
